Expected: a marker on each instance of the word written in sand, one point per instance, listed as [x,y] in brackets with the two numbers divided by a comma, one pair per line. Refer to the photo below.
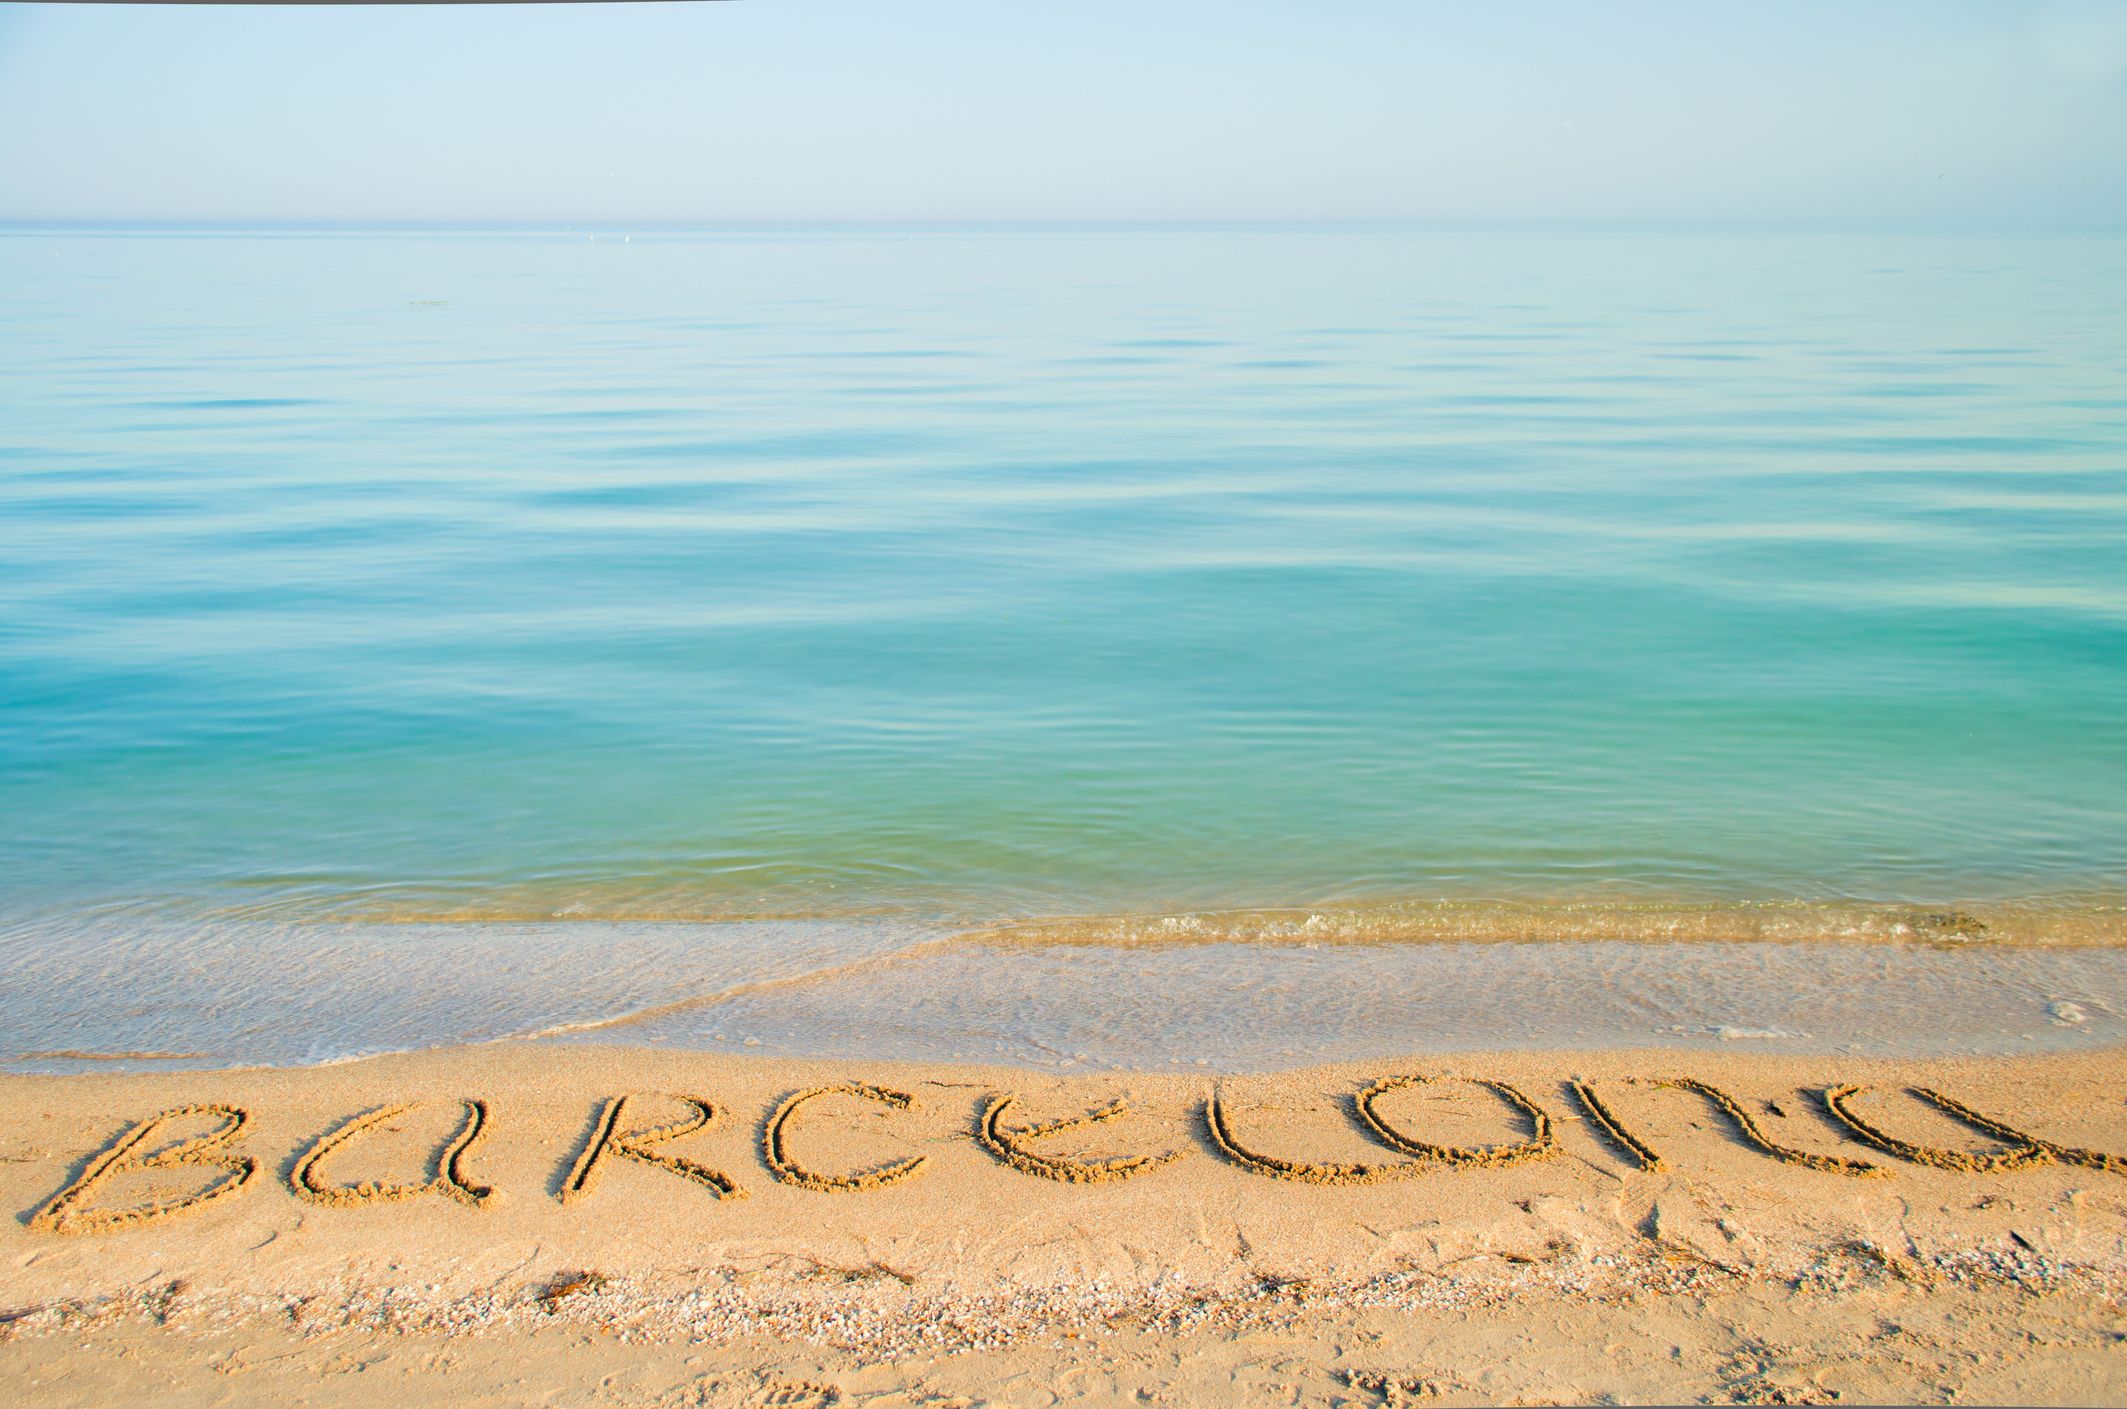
[147,1147]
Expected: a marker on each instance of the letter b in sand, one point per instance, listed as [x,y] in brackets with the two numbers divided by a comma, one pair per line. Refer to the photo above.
[133,1151]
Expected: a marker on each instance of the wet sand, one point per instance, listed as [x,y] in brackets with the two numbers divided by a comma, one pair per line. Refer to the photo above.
[771,1231]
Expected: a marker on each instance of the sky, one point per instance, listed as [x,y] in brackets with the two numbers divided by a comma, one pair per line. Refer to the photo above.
[1795,112]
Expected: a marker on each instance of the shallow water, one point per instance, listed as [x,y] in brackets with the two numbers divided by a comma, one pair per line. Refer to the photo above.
[244,993]
[1245,1007]
[894,581]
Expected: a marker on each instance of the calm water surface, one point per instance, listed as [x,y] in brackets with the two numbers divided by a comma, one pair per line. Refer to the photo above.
[870,584]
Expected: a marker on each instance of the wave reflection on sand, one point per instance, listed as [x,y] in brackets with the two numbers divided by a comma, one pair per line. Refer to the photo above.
[1237,990]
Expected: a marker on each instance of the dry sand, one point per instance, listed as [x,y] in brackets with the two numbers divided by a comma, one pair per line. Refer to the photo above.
[951,1250]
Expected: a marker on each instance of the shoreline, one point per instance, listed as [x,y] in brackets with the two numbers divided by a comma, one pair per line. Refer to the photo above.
[2073,921]
[863,1243]
[2068,918]
[1258,992]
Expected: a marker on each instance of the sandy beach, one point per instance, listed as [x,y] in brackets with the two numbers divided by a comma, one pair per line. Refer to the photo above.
[521,1223]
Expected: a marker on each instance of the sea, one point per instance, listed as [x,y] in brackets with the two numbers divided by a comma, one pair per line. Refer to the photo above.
[1088,647]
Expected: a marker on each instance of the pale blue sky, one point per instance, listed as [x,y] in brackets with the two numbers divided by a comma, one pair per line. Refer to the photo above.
[1809,111]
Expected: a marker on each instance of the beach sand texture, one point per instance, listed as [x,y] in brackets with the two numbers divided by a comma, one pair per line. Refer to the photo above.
[518,1223]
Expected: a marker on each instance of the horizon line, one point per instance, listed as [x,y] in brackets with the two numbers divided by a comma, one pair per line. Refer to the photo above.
[627,225]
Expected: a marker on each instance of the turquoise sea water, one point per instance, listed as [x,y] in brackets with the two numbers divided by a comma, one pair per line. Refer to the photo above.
[908,580]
